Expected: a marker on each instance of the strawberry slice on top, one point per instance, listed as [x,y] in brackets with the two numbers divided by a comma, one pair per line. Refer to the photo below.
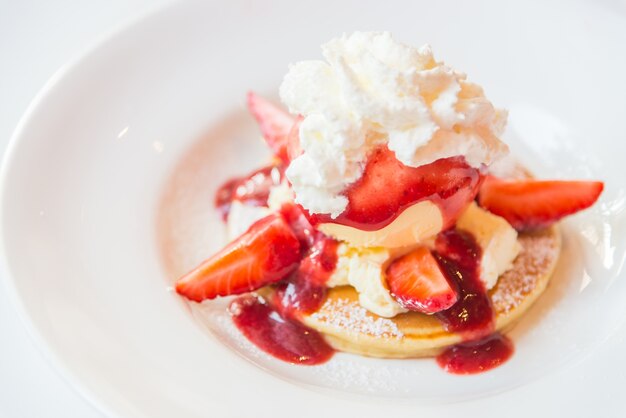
[266,253]
[530,204]
[387,187]
[416,281]
[276,124]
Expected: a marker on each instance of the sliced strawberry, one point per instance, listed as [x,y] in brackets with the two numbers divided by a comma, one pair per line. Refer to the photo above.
[533,204]
[267,253]
[418,284]
[387,187]
[275,124]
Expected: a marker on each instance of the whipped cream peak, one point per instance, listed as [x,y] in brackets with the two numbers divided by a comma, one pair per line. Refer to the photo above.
[370,91]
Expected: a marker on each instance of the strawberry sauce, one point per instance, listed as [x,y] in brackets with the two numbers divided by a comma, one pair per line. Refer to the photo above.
[459,255]
[374,201]
[283,338]
[472,316]
[476,356]
[275,329]
[305,291]
[388,187]
[253,189]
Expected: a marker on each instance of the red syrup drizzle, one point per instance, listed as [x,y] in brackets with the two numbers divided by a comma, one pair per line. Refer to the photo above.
[253,189]
[451,184]
[472,316]
[388,187]
[275,329]
[305,291]
[283,338]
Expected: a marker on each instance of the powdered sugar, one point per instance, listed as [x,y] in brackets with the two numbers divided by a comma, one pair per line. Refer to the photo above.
[536,260]
[370,376]
[351,316]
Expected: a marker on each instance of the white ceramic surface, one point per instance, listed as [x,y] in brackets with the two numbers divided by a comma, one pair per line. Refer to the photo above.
[84,180]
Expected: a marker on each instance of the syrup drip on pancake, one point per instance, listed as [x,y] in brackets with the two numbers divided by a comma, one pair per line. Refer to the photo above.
[275,329]
[473,316]
[305,291]
[459,256]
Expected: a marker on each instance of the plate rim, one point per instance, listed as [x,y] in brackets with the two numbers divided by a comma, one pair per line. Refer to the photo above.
[8,279]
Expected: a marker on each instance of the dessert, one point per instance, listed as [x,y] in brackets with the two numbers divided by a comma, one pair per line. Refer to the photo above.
[380,226]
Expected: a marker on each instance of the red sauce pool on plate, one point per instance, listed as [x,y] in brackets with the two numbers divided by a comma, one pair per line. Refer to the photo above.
[476,356]
[283,338]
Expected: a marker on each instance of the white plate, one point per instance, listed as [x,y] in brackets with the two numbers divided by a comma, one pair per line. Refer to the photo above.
[84,220]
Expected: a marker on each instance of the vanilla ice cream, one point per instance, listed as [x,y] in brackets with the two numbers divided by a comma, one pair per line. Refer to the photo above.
[415,224]
[496,237]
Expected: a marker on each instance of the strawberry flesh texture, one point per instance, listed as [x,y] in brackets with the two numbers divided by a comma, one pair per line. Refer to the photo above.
[266,253]
[534,204]
[418,284]
[387,187]
[275,124]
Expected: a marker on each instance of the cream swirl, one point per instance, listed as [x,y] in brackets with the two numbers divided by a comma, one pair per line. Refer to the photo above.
[373,90]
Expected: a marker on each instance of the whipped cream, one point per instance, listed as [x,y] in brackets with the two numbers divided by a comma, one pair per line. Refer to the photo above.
[372,90]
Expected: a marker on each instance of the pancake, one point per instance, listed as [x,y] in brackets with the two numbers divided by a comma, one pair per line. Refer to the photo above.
[349,327]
